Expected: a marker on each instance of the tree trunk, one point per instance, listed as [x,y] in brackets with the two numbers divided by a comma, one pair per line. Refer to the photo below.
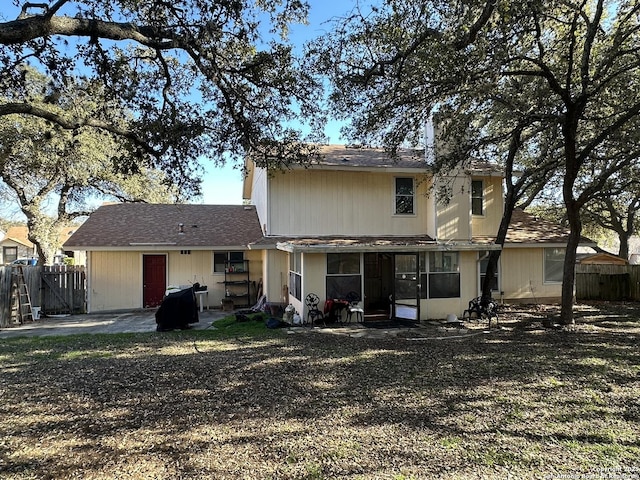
[568,275]
[623,252]
[572,165]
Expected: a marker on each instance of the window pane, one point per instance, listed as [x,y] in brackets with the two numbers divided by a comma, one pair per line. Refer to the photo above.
[404,205]
[476,206]
[295,261]
[477,197]
[476,188]
[10,254]
[553,264]
[236,256]
[404,186]
[338,263]
[484,262]
[443,262]
[295,285]
[494,283]
[404,196]
[444,285]
[219,260]
[406,264]
[340,286]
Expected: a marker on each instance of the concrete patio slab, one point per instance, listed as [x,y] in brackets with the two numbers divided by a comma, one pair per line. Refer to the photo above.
[118,322]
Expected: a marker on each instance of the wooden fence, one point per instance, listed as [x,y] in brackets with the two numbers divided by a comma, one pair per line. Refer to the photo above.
[608,282]
[57,289]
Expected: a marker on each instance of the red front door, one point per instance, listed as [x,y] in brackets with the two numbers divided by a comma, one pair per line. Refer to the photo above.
[154,279]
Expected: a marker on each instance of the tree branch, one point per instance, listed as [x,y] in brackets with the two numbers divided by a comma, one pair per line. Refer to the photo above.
[30,28]
[26,108]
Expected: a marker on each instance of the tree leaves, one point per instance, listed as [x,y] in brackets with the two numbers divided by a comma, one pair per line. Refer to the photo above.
[202,78]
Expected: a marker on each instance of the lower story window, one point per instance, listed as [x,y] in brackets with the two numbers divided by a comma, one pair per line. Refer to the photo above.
[222,259]
[9,254]
[553,265]
[484,261]
[343,275]
[440,275]
[295,285]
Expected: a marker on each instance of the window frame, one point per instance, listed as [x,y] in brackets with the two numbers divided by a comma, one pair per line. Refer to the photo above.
[429,273]
[481,273]
[399,195]
[346,275]
[546,268]
[477,197]
[11,258]
[295,275]
[229,256]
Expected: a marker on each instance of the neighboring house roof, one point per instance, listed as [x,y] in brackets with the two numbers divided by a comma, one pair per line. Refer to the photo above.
[141,225]
[602,258]
[18,234]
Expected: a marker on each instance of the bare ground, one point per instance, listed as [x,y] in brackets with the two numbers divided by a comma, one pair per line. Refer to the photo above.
[519,402]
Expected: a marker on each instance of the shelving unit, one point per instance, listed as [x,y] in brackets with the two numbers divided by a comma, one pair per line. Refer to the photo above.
[236,282]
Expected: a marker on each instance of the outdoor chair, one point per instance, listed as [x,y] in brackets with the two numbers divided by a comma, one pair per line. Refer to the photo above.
[313,312]
[354,307]
[484,307]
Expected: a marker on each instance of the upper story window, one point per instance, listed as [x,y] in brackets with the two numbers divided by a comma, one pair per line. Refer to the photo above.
[477,197]
[405,193]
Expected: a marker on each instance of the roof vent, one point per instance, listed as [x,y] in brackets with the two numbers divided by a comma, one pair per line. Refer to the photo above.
[345,159]
[181,228]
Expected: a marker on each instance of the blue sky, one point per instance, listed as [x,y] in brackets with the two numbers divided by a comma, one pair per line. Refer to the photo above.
[223,185]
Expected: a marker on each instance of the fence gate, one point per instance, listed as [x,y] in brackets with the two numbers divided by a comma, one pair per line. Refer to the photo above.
[63,289]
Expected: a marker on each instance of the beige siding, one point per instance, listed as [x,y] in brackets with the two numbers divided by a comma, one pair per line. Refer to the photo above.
[439,308]
[275,274]
[487,224]
[320,202]
[115,281]
[523,276]
[115,278]
[454,215]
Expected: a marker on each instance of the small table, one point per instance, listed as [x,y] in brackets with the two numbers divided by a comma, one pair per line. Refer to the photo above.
[200,294]
[335,307]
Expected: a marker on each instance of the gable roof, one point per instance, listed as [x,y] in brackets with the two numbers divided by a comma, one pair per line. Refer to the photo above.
[601,258]
[18,234]
[142,225]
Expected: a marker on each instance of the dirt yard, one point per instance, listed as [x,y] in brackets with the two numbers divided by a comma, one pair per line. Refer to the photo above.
[521,401]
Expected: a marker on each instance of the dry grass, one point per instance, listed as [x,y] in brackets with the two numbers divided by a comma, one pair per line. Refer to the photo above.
[523,401]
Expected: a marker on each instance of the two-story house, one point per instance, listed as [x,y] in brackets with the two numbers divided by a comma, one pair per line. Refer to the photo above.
[352,222]
[358,222]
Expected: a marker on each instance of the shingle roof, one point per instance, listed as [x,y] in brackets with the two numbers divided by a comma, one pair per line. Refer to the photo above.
[344,156]
[18,234]
[526,228]
[140,224]
[348,242]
